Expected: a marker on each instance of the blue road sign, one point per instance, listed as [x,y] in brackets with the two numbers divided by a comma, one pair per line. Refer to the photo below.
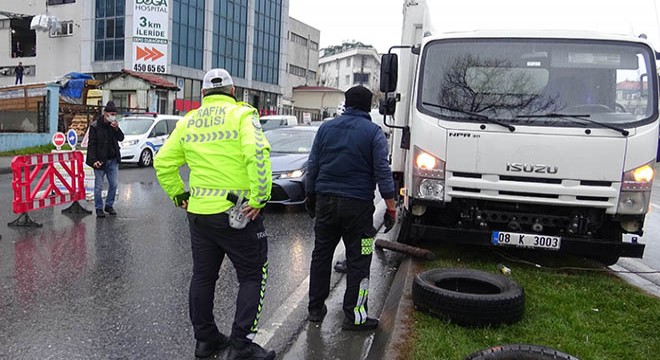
[72,138]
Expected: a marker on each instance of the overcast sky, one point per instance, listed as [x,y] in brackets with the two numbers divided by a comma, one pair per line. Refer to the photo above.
[378,22]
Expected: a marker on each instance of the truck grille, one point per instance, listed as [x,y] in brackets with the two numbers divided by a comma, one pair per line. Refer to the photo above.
[538,190]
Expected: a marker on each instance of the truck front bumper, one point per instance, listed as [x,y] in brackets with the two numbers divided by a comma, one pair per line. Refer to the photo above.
[571,245]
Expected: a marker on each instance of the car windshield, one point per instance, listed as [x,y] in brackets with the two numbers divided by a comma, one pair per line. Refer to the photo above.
[135,126]
[269,124]
[290,141]
[520,81]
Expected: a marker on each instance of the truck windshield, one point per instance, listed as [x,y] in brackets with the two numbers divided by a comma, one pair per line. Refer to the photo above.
[518,81]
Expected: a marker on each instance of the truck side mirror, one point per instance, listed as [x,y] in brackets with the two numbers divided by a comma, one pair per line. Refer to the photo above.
[389,68]
[387,105]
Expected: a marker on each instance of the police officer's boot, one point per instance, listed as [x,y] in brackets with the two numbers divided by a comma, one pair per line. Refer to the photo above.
[249,350]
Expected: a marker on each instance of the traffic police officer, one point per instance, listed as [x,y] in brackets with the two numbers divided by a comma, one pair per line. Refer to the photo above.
[229,159]
[348,159]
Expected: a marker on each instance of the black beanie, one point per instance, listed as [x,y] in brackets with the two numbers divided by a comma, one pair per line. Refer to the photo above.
[358,97]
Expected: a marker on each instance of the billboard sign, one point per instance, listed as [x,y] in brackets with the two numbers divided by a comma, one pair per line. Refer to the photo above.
[151,19]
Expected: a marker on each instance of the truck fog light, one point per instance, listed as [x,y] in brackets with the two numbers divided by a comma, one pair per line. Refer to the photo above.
[431,189]
[418,210]
[633,202]
[631,226]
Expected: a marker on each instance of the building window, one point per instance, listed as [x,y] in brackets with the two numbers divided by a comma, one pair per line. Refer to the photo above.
[311,74]
[109,30]
[267,37]
[348,62]
[188,33]
[359,78]
[348,79]
[65,29]
[313,45]
[59,2]
[230,36]
[297,39]
[23,39]
[296,70]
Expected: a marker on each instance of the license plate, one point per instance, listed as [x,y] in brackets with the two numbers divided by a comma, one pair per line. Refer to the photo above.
[526,240]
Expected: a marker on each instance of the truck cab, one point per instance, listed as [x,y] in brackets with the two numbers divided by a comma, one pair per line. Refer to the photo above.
[537,139]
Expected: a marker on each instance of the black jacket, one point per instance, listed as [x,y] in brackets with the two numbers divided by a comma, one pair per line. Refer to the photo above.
[102,137]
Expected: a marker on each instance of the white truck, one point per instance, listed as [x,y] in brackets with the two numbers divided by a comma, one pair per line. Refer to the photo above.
[535,139]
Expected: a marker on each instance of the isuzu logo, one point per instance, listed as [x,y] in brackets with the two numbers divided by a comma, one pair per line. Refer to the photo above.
[531,168]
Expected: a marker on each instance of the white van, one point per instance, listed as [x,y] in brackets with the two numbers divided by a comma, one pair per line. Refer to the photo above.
[144,135]
[275,121]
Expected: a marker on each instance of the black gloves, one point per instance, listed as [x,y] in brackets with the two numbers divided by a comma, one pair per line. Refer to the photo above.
[389,219]
[310,205]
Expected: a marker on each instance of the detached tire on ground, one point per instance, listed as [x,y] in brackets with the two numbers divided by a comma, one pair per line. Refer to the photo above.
[520,352]
[469,297]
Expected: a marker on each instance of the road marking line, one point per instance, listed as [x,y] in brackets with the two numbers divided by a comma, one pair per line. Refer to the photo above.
[266,333]
[657,207]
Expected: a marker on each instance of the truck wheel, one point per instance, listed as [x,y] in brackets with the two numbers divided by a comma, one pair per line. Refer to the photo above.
[611,232]
[146,159]
[520,352]
[404,227]
[469,297]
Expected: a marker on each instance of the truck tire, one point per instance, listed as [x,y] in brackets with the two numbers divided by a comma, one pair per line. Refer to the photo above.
[404,227]
[520,352]
[469,297]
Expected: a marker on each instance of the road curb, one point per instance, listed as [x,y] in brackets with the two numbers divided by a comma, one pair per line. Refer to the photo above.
[395,317]
[635,272]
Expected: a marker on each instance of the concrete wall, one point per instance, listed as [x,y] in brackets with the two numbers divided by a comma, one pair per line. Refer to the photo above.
[301,56]
[318,100]
[56,56]
[13,141]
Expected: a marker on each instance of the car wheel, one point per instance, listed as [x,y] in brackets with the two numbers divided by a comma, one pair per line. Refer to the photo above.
[469,297]
[520,352]
[146,158]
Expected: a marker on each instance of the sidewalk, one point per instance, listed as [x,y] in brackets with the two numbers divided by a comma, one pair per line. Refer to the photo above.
[5,164]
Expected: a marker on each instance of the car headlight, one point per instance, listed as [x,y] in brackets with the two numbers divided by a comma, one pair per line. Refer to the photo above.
[635,192]
[129,143]
[293,174]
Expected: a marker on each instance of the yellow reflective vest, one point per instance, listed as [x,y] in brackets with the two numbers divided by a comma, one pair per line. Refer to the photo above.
[226,151]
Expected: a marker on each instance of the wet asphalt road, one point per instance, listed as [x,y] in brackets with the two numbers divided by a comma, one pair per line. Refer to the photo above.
[116,288]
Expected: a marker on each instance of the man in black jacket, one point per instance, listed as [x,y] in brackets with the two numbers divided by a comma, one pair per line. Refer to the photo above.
[103,155]
[347,161]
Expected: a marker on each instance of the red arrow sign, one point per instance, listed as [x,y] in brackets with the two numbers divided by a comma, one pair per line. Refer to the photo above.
[148,54]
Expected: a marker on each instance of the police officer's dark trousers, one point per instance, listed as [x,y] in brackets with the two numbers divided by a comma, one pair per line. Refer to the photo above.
[352,220]
[212,238]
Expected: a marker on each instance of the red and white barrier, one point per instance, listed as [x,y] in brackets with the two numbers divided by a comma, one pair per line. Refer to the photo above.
[46,180]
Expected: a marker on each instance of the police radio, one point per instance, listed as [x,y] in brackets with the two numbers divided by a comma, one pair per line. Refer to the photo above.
[237,220]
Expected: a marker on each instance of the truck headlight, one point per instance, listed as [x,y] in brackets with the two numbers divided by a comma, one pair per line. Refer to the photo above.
[428,175]
[430,189]
[635,193]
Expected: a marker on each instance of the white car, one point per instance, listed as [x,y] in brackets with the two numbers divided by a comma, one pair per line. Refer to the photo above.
[144,135]
[276,121]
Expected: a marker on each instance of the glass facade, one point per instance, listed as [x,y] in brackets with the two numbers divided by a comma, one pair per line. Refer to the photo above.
[267,34]
[188,33]
[109,30]
[230,36]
